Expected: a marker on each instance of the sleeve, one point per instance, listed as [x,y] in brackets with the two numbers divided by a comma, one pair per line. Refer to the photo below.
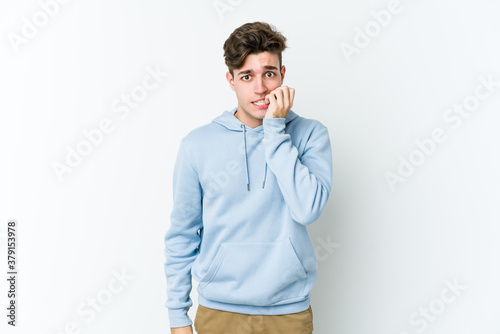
[182,239]
[305,181]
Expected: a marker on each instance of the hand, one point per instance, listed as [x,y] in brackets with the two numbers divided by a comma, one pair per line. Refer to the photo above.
[182,330]
[280,102]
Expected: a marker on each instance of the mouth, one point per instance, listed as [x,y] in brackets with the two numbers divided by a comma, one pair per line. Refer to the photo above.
[260,103]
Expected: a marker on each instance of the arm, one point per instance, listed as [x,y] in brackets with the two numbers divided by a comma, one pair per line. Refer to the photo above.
[182,239]
[305,181]
[182,330]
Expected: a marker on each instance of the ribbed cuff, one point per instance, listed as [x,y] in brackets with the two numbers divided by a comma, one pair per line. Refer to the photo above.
[178,317]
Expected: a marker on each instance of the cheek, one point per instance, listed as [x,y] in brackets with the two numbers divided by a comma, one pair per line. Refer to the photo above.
[273,87]
[241,95]
[242,92]
[275,84]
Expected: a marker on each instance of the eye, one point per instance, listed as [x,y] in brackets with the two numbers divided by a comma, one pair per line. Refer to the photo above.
[243,77]
[271,73]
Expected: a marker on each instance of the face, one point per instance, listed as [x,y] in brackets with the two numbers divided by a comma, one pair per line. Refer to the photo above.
[259,75]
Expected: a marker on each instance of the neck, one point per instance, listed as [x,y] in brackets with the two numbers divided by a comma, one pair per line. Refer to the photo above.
[248,120]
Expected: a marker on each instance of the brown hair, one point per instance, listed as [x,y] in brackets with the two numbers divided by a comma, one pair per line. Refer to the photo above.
[252,38]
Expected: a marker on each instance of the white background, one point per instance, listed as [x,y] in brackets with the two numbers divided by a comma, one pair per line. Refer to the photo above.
[394,248]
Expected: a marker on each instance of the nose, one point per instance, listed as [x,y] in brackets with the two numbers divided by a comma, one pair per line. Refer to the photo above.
[260,86]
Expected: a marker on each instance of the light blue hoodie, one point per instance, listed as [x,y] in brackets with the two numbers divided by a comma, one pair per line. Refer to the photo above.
[242,200]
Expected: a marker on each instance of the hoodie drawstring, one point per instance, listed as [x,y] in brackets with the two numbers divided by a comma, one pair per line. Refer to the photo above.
[246,163]
[265,173]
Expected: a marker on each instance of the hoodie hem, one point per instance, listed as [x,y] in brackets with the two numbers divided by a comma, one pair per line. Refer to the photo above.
[260,310]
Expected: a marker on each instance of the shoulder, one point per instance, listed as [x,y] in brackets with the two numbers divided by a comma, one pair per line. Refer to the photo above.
[199,135]
[306,125]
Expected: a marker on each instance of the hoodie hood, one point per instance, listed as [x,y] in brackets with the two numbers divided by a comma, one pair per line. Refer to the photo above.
[230,122]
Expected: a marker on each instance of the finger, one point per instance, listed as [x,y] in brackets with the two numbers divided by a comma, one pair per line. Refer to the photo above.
[270,98]
[279,97]
[292,96]
[286,97]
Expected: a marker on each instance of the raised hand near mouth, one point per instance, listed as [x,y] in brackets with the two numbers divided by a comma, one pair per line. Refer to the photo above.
[280,102]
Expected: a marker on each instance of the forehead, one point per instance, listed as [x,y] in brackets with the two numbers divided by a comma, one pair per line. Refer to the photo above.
[259,61]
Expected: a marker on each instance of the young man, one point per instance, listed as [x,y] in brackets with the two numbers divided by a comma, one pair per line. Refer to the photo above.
[245,187]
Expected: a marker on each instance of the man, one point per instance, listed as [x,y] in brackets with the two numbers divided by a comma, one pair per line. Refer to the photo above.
[245,187]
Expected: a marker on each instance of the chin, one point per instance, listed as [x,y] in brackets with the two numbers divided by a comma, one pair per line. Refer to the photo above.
[260,114]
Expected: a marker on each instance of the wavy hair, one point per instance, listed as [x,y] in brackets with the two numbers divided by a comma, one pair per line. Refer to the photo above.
[252,38]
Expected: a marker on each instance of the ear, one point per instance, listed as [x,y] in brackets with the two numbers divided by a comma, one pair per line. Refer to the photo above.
[283,70]
[229,79]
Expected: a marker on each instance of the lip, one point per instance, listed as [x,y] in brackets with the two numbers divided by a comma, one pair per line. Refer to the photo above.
[263,106]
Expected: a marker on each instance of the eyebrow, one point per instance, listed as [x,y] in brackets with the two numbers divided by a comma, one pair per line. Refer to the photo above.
[267,67]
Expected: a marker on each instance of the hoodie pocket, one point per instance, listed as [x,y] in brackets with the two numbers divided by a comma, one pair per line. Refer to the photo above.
[254,273]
